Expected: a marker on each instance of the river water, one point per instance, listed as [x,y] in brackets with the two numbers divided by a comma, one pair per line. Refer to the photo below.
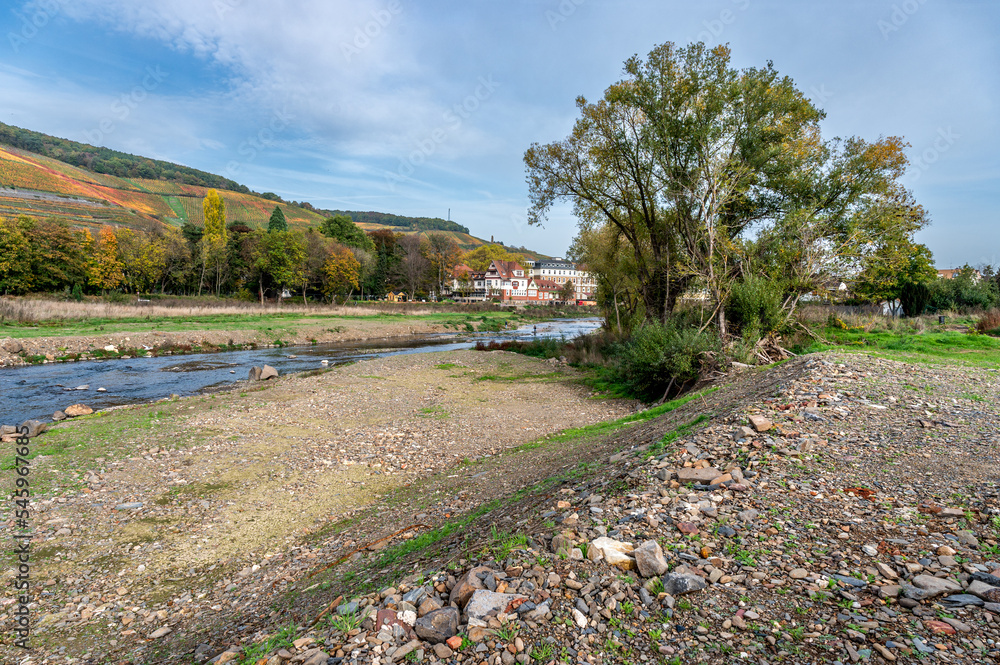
[38,391]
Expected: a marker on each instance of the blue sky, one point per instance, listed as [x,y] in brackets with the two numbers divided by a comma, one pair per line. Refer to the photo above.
[415,108]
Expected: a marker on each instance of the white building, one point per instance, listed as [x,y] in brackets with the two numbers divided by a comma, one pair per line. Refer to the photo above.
[561,271]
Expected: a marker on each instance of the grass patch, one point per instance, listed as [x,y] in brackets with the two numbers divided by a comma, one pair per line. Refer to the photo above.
[944,347]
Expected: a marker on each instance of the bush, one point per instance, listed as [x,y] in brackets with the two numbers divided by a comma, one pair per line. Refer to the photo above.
[77,292]
[914,298]
[662,358]
[754,307]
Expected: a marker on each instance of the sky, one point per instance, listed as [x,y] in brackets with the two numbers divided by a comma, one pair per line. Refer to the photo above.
[421,108]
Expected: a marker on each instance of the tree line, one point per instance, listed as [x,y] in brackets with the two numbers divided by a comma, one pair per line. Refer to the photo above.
[337,259]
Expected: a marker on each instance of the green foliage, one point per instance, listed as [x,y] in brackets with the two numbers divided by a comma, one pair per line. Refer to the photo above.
[15,259]
[397,221]
[342,229]
[661,357]
[277,221]
[914,298]
[754,306]
[965,291]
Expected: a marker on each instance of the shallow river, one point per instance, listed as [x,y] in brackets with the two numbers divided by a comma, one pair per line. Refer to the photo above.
[40,390]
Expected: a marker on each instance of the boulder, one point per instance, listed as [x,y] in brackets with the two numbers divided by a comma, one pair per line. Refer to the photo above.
[58,415]
[438,625]
[614,552]
[12,346]
[485,603]
[268,372]
[78,410]
[467,584]
[649,559]
[32,428]
[677,584]
[702,476]
[254,373]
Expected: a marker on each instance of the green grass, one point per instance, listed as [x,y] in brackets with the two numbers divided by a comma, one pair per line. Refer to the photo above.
[281,639]
[953,348]
[273,324]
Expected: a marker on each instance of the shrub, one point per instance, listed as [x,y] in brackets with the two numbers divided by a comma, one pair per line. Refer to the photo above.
[77,292]
[660,358]
[754,306]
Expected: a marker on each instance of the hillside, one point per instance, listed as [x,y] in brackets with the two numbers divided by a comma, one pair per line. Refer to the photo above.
[46,176]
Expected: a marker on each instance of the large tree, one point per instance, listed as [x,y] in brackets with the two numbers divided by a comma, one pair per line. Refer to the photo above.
[479,258]
[15,259]
[687,160]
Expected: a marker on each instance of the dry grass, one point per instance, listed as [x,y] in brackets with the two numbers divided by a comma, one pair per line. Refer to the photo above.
[989,322]
[34,310]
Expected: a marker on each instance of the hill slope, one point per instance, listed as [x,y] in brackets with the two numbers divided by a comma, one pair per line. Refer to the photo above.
[46,176]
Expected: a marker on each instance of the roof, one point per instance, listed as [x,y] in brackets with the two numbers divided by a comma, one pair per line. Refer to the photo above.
[505,269]
[462,270]
[546,284]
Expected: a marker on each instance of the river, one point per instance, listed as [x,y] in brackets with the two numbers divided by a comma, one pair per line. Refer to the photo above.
[38,391]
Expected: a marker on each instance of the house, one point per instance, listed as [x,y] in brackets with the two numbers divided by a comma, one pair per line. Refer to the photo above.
[396,296]
[951,273]
[506,279]
[561,271]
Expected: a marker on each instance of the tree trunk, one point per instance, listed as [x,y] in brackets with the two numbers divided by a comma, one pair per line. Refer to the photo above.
[260,290]
[722,321]
[201,281]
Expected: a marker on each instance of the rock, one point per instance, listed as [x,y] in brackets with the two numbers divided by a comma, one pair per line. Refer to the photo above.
[31,428]
[58,415]
[649,559]
[12,346]
[467,585]
[579,618]
[268,372]
[484,603]
[254,373]
[437,626]
[85,386]
[743,433]
[160,632]
[561,543]
[799,573]
[677,584]
[702,476]
[78,410]
[963,600]
[443,651]
[885,653]
[886,571]
[939,627]
[614,552]
[984,591]
[944,550]
[936,586]
[748,515]
[202,653]
[315,657]
[967,538]
[428,605]
[760,423]
[129,506]
[454,642]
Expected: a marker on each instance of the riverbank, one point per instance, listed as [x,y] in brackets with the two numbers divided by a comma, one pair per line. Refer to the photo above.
[140,507]
[853,515]
[137,338]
